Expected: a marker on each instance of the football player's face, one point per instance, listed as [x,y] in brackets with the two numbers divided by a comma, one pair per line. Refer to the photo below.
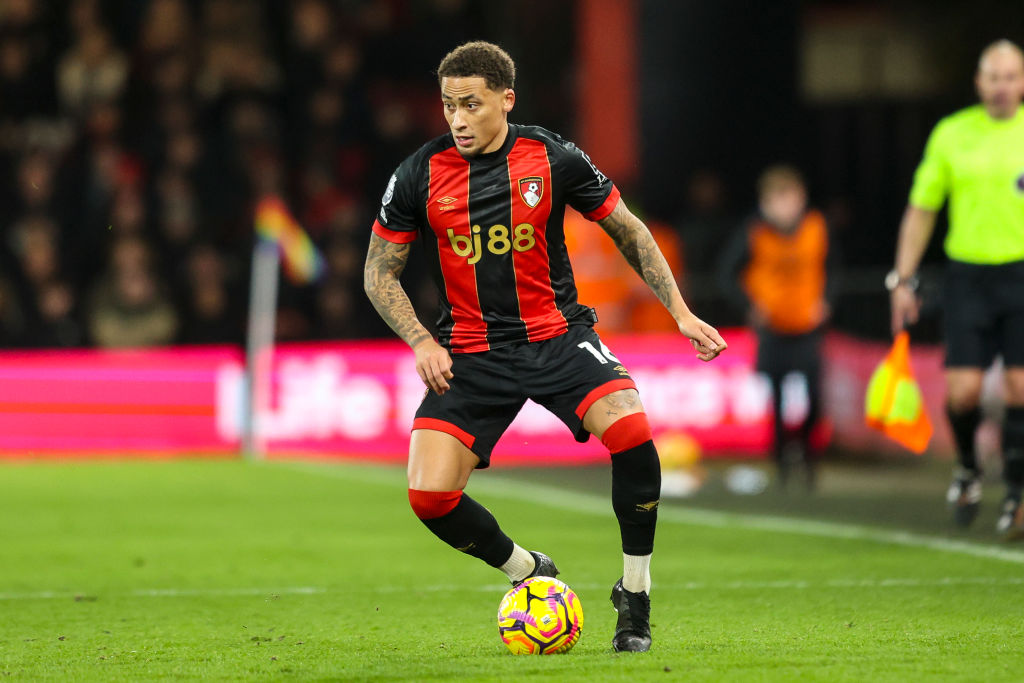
[477,115]
[1000,82]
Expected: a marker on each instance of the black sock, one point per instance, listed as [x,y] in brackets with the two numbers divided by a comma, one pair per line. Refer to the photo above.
[964,425]
[813,414]
[778,421]
[1013,449]
[636,489]
[472,529]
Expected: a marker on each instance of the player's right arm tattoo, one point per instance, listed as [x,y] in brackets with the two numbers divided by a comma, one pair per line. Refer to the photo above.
[637,245]
[385,262]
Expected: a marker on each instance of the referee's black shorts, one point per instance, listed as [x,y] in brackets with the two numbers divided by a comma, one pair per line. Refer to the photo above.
[984,314]
[565,374]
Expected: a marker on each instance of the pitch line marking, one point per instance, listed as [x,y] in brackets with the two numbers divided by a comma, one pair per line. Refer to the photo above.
[751,585]
[575,501]
[88,596]
[950,581]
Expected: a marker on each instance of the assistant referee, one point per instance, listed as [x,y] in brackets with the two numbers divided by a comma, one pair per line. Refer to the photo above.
[976,158]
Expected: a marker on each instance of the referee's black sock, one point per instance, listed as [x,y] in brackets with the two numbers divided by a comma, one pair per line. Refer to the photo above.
[1013,449]
[964,424]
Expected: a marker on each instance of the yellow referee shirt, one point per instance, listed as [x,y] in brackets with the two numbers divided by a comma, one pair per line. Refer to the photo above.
[978,162]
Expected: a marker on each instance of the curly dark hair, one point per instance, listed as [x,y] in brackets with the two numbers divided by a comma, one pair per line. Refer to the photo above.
[479,58]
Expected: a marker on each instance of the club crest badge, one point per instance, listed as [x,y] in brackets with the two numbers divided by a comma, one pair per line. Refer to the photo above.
[531,190]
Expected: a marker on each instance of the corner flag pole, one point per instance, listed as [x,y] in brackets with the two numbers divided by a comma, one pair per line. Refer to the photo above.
[280,239]
[259,347]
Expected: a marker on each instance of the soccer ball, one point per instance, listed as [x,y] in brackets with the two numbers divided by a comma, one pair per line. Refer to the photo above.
[540,616]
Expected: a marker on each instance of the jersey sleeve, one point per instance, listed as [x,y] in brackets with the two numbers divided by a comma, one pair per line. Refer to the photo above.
[586,189]
[396,220]
[932,178]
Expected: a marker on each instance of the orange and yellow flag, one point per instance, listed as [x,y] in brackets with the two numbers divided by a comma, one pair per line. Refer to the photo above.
[893,404]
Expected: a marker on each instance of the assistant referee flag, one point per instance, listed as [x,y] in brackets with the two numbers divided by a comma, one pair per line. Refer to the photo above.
[893,403]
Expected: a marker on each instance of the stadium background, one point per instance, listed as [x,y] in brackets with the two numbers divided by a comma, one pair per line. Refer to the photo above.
[137,136]
[135,139]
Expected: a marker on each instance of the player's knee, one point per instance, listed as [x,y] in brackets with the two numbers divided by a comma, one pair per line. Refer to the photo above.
[433,504]
[626,433]
[1015,388]
[963,393]
[636,485]
[963,401]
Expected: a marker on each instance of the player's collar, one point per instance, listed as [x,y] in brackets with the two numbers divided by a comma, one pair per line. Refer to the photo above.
[501,152]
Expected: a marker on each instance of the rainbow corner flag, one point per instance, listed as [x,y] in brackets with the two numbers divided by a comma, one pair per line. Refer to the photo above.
[303,263]
[893,404]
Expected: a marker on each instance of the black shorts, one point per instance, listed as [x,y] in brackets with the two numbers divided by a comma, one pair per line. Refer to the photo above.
[781,354]
[984,314]
[565,374]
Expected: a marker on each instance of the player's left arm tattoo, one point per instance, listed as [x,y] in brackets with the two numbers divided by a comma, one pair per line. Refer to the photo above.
[637,245]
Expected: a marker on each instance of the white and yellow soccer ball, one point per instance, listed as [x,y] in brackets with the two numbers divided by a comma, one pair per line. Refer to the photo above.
[540,616]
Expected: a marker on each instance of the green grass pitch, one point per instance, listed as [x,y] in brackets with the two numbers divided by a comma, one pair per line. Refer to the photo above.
[224,570]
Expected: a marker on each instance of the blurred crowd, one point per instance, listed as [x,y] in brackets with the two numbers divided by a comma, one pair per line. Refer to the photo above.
[136,136]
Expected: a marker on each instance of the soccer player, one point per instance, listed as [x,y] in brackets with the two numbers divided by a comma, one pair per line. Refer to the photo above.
[976,158]
[487,199]
[777,269]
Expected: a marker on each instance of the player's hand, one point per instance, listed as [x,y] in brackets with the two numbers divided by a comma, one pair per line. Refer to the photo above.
[704,339]
[434,365]
[906,308]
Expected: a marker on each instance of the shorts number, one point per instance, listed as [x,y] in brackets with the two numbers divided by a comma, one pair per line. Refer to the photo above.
[603,356]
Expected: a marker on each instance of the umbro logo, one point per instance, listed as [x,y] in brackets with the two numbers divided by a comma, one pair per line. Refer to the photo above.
[647,507]
[447,203]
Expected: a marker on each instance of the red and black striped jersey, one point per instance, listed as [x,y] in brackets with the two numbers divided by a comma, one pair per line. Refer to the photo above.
[492,230]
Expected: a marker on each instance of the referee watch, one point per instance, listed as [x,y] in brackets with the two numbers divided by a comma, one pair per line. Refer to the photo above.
[894,280]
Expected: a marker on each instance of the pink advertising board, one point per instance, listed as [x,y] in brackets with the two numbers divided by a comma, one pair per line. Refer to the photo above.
[147,402]
[358,398]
